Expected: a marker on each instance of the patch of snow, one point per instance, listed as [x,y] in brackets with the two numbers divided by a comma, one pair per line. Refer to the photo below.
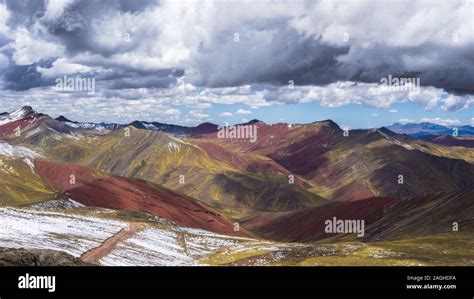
[178,246]
[149,126]
[88,126]
[17,151]
[29,162]
[395,141]
[74,234]
[149,247]
[33,132]
[173,147]
[169,245]
[57,204]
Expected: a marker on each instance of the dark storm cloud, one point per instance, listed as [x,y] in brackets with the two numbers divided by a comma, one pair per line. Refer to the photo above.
[72,30]
[301,42]
[24,77]
[24,12]
[287,56]
[451,68]
[73,26]
[142,82]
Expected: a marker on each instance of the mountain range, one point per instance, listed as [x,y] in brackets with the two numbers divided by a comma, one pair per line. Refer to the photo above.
[280,188]
[426,128]
[155,126]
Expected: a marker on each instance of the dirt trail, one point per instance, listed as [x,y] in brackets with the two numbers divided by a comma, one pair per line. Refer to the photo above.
[93,255]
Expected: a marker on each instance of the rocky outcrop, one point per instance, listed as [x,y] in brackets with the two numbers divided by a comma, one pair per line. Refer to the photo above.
[37,257]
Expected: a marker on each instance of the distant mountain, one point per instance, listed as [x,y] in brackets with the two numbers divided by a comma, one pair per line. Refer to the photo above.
[64,119]
[253,121]
[88,125]
[363,164]
[20,118]
[160,158]
[203,128]
[156,126]
[426,128]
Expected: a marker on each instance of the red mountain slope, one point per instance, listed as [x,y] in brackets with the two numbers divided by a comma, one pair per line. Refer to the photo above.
[308,225]
[64,177]
[100,190]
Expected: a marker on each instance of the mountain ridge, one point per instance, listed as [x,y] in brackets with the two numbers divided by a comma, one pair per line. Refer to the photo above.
[427,128]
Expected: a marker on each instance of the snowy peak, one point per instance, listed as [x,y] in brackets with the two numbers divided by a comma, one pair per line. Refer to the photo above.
[101,127]
[23,112]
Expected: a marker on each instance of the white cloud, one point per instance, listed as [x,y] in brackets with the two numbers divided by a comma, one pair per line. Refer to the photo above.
[391,23]
[4,15]
[172,112]
[55,8]
[442,121]
[144,100]
[28,48]
[62,67]
[242,111]
[393,111]
[225,114]
[375,114]
[369,94]
[406,121]
[453,103]
[198,115]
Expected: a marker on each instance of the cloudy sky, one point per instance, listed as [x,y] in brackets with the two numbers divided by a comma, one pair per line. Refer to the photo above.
[188,62]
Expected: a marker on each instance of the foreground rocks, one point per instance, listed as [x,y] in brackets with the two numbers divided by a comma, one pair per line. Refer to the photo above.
[37,257]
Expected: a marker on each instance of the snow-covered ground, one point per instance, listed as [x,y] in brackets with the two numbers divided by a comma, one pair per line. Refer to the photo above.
[177,247]
[163,245]
[150,247]
[20,152]
[73,234]
[57,204]
[17,151]
[395,141]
